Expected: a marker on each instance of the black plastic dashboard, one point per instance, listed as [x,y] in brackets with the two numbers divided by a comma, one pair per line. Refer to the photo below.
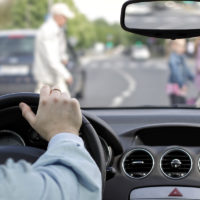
[154,151]
[160,133]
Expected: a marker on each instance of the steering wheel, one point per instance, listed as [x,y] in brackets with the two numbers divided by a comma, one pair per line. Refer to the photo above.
[30,154]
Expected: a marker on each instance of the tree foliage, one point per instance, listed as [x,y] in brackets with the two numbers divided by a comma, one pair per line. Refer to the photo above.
[5,17]
[31,14]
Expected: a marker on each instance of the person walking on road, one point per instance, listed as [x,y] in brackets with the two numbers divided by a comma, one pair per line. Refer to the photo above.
[179,73]
[51,50]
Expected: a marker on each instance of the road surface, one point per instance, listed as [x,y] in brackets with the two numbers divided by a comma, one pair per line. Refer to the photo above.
[118,81]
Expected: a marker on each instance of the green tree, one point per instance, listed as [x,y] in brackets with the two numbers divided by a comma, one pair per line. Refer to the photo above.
[28,13]
[5,17]
[31,14]
[83,30]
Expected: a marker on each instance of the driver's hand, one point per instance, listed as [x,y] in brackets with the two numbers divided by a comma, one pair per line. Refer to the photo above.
[69,81]
[57,113]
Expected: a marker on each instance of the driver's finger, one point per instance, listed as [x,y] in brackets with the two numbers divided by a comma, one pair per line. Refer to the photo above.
[55,92]
[66,95]
[45,92]
[27,113]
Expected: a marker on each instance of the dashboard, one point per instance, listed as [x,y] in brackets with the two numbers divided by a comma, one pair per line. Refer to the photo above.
[161,153]
[150,153]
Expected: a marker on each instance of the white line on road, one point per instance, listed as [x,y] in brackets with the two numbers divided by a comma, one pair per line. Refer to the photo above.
[118,100]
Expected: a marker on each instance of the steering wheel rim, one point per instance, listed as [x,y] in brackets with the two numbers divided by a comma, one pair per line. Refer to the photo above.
[88,133]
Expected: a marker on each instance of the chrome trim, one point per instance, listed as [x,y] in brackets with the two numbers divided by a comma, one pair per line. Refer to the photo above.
[137,162]
[162,193]
[199,164]
[176,149]
[176,163]
[131,151]
[110,154]
[108,149]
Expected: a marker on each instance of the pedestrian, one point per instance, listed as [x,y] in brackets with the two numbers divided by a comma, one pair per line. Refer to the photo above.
[51,50]
[179,73]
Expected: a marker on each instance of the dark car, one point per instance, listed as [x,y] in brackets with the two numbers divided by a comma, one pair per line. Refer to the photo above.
[16,61]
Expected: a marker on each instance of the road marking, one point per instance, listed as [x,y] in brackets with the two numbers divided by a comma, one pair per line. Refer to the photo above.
[118,100]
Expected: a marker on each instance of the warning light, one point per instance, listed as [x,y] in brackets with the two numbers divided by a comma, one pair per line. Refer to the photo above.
[175,193]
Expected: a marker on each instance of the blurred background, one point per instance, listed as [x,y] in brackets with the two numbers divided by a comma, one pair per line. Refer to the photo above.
[110,67]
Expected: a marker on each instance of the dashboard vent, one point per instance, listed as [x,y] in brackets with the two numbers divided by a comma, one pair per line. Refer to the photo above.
[137,163]
[176,163]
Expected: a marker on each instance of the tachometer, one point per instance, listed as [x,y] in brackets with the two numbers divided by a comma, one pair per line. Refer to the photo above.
[10,138]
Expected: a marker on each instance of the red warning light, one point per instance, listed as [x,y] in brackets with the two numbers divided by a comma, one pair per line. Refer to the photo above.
[175,193]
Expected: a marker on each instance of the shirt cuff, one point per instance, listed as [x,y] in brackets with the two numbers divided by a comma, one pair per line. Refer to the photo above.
[69,137]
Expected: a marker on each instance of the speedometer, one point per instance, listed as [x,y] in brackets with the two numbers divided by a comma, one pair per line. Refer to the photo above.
[10,138]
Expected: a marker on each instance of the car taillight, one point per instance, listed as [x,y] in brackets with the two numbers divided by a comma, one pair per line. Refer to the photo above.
[16,36]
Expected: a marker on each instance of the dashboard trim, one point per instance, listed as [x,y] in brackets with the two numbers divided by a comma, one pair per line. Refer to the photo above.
[168,151]
[131,151]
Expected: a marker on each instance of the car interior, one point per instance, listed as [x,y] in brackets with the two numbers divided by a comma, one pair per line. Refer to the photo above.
[147,152]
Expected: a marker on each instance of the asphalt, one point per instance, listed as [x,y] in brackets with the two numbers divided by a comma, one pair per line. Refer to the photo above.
[119,81]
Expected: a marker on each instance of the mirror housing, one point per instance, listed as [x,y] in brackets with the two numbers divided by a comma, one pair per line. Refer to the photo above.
[157,33]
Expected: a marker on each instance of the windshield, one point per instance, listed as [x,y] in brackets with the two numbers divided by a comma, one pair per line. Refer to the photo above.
[16,45]
[85,51]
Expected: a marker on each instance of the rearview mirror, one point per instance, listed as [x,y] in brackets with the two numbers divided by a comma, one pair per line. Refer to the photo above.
[162,19]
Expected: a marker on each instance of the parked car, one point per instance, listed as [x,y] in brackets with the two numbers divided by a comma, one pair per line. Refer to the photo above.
[16,62]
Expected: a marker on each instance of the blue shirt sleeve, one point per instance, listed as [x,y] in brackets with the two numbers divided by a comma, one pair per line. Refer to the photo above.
[67,137]
[65,171]
[189,75]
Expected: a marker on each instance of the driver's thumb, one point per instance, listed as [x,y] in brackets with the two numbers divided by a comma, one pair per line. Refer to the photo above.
[27,113]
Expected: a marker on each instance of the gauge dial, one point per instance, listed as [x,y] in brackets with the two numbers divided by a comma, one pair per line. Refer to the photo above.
[107,151]
[10,138]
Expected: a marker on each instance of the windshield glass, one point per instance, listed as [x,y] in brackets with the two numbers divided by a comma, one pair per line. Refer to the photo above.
[16,45]
[84,51]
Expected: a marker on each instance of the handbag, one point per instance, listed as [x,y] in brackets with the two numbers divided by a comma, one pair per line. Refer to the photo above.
[173,88]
